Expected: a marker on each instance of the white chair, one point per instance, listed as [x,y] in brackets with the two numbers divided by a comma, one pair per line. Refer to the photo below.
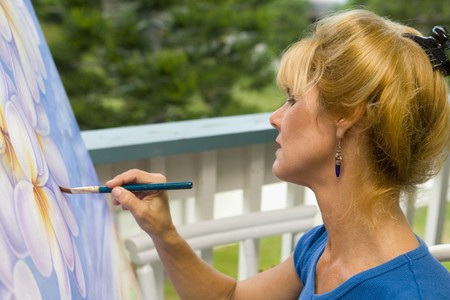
[244,229]
[441,252]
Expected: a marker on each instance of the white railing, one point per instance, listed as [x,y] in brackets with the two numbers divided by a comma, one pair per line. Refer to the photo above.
[246,229]
[229,159]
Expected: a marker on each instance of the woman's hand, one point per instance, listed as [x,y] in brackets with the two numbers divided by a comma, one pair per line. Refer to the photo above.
[150,209]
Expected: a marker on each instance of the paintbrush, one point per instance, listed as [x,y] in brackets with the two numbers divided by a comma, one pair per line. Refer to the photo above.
[131,187]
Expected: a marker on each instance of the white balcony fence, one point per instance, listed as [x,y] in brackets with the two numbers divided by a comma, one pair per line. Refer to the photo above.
[235,196]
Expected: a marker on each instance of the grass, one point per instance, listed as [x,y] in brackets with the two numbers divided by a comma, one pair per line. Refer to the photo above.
[225,259]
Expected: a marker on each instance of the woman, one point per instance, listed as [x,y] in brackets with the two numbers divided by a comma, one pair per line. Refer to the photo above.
[366,119]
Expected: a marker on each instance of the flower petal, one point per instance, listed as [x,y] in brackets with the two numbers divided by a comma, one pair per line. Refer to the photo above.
[61,273]
[43,124]
[5,30]
[20,140]
[42,172]
[60,229]
[8,259]
[65,208]
[26,145]
[26,287]
[5,294]
[27,42]
[33,227]
[55,161]
[8,220]
[11,87]
[79,274]
[3,83]
[5,50]
[25,94]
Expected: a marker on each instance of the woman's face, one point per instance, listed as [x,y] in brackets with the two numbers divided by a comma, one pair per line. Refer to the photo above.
[306,139]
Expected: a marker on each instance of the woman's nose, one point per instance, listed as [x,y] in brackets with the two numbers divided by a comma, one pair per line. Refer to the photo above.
[276,117]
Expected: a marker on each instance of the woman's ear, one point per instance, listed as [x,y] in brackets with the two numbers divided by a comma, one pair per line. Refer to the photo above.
[345,123]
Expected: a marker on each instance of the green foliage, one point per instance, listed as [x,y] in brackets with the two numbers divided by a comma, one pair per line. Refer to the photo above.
[144,61]
[422,15]
[283,24]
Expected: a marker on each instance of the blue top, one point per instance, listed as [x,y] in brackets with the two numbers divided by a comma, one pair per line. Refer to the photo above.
[413,275]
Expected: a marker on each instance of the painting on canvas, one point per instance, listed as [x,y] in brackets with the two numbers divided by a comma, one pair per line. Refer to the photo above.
[53,246]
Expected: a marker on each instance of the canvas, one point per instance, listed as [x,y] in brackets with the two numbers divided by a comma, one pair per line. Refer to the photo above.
[52,245]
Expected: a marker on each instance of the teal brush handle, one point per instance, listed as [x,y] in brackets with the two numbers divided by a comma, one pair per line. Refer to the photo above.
[151,186]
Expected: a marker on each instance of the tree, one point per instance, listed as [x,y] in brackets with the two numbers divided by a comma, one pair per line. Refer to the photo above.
[422,15]
[144,61]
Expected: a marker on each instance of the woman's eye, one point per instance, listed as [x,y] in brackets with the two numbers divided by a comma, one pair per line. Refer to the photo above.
[291,101]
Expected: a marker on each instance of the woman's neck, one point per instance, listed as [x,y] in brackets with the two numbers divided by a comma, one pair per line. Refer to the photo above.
[384,231]
[355,246]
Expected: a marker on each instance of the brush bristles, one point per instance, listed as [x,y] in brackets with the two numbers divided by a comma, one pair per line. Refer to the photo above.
[80,190]
[65,190]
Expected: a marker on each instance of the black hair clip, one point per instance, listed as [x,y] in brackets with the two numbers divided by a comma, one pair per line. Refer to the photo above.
[435,46]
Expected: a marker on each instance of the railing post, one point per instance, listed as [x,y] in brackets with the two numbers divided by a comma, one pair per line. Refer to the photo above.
[206,189]
[410,206]
[254,164]
[248,258]
[437,206]
[149,278]
[295,195]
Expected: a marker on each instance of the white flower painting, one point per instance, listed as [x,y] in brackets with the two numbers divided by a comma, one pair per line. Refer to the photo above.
[52,246]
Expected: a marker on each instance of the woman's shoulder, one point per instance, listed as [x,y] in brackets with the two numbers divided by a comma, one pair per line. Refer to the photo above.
[413,275]
[313,237]
[316,233]
[309,247]
[430,275]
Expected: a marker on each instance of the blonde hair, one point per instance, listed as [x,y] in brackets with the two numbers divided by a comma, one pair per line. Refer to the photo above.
[356,58]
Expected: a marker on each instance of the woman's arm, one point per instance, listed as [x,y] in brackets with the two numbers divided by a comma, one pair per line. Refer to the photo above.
[191,276]
[194,279]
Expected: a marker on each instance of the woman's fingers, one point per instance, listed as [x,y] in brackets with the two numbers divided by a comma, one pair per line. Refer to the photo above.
[150,208]
[135,176]
[125,198]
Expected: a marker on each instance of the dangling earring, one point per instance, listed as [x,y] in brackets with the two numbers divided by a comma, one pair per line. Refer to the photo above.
[338,159]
